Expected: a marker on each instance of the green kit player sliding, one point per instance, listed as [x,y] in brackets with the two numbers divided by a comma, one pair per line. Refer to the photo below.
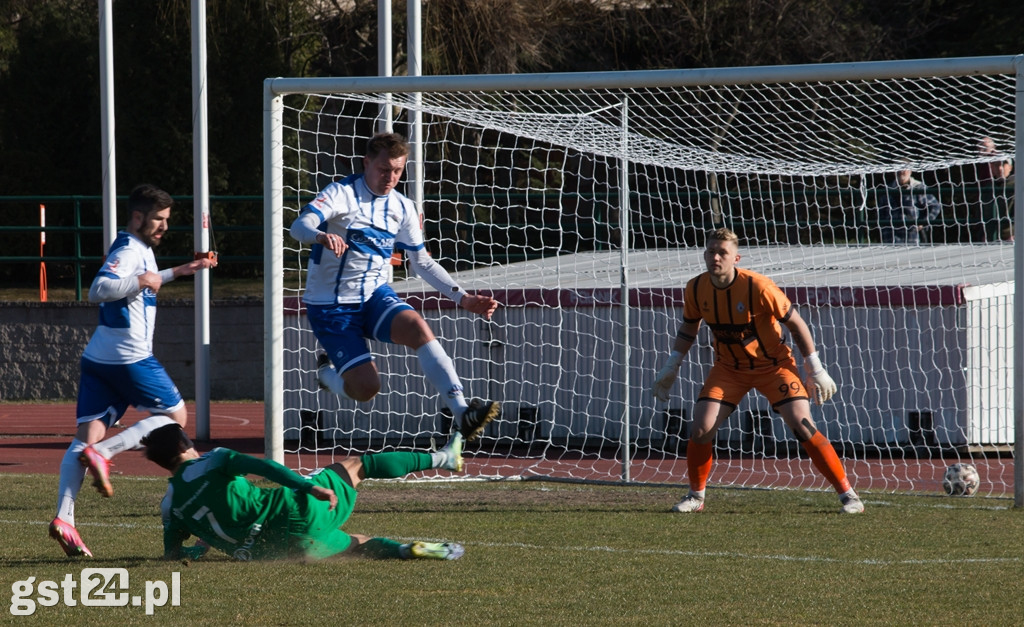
[210,498]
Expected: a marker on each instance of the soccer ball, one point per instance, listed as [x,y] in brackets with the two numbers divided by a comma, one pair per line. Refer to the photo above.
[961,480]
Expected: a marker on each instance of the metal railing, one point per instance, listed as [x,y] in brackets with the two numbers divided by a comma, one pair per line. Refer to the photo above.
[74,226]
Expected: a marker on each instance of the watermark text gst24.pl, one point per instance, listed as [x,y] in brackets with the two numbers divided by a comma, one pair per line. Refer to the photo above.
[95,587]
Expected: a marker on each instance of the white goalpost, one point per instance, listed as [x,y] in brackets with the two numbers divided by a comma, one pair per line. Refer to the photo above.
[581,202]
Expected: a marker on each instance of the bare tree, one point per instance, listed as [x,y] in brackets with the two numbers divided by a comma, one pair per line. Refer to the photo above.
[500,36]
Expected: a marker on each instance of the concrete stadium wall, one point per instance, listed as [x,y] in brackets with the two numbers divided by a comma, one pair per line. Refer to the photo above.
[41,344]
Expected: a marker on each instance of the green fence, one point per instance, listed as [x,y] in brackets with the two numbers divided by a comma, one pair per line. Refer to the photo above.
[74,247]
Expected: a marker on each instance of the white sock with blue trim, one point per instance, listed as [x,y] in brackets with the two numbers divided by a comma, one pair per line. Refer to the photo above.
[440,371]
[72,473]
[131,438]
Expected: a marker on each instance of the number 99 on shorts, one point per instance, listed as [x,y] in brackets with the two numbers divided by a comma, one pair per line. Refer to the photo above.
[96,587]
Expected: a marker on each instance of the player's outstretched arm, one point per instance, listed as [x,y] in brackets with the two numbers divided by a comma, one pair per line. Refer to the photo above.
[481,305]
[155,280]
[190,268]
[174,534]
[440,280]
[236,463]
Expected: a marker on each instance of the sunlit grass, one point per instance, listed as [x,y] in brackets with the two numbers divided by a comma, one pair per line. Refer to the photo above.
[540,553]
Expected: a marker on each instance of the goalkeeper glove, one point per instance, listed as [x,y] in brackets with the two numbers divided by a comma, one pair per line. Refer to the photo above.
[666,377]
[819,384]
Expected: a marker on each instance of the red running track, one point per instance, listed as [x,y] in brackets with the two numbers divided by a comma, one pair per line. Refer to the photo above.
[34,436]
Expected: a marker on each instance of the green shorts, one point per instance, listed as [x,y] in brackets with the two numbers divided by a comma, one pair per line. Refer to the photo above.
[314,531]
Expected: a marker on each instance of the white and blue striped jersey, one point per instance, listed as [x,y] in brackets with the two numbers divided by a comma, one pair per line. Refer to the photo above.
[124,334]
[373,227]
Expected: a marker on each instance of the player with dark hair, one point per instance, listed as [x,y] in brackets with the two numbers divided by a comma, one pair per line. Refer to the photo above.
[118,369]
[210,498]
[745,312]
[353,226]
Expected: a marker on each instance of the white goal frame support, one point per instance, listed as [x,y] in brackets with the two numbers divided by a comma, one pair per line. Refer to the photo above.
[274,229]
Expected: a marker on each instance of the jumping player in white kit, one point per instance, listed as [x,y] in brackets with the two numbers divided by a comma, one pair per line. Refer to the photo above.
[353,226]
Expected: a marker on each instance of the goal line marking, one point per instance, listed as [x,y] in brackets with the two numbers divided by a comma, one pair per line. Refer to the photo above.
[639,551]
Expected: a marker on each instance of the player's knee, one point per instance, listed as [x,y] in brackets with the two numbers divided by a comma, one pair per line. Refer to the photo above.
[91,432]
[362,391]
[180,417]
[362,395]
[411,330]
[702,433]
[361,383]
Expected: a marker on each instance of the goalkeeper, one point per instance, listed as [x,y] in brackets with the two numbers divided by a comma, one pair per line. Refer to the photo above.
[210,498]
[744,310]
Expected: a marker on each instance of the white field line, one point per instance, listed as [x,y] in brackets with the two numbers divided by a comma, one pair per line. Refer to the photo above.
[630,551]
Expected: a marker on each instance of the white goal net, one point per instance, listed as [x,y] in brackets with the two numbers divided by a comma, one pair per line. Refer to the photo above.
[581,202]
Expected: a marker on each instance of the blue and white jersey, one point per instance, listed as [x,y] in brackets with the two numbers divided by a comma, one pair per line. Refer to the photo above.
[125,331]
[373,227]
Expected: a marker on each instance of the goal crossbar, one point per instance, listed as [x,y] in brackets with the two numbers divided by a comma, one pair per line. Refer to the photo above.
[867,70]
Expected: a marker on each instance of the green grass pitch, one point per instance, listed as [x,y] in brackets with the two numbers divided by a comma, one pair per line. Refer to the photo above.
[556,554]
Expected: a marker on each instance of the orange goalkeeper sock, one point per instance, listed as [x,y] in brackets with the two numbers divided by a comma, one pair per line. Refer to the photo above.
[698,464]
[824,458]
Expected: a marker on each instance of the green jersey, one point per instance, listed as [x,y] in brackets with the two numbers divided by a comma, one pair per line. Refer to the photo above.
[210,498]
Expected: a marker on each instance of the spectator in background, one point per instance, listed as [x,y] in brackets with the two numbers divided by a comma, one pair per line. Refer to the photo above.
[909,212]
[994,204]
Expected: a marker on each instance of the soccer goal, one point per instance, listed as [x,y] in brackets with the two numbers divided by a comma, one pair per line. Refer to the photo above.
[581,202]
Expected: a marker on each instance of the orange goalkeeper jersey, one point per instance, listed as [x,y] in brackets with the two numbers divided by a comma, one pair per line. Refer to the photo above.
[744,318]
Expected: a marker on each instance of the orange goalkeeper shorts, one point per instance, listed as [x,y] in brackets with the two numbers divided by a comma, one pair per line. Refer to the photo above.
[779,384]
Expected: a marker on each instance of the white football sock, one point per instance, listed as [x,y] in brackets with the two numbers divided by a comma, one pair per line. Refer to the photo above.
[846,496]
[131,437]
[330,377]
[440,371]
[72,473]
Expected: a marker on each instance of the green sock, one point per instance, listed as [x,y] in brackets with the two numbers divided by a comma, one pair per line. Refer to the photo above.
[394,464]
